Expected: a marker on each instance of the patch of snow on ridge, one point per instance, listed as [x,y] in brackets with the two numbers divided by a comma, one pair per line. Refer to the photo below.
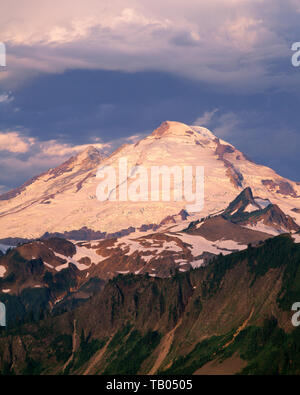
[296,237]
[263,203]
[198,244]
[261,227]
[132,244]
[48,265]
[2,271]
[147,258]
[250,208]
[136,245]
[81,252]
[203,132]
[197,263]
[61,267]
[230,245]
[199,225]
[172,246]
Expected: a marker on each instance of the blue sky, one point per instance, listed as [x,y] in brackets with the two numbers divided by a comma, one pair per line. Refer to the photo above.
[105,73]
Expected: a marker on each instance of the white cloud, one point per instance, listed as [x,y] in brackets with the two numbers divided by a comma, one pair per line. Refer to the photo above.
[18,143]
[227,125]
[14,142]
[135,138]
[6,97]
[224,125]
[206,118]
[55,149]
[23,157]
[222,42]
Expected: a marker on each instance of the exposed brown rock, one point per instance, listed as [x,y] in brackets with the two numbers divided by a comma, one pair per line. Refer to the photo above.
[282,187]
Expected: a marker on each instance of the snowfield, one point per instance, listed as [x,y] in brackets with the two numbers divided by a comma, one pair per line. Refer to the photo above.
[66,196]
[2,271]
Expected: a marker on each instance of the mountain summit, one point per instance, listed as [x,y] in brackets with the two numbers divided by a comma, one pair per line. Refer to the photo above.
[181,130]
[64,198]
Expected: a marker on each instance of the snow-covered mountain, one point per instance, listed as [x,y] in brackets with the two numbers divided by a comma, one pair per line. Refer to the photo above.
[66,272]
[64,199]
[175,244]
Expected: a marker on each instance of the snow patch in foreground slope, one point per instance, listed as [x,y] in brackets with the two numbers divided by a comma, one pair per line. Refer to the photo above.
[2,271]
[296,238]
[200,244]
[261,227]
[135,245]
[197,263]
[81,252]
[230,245]
[250,208]
[263,203]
